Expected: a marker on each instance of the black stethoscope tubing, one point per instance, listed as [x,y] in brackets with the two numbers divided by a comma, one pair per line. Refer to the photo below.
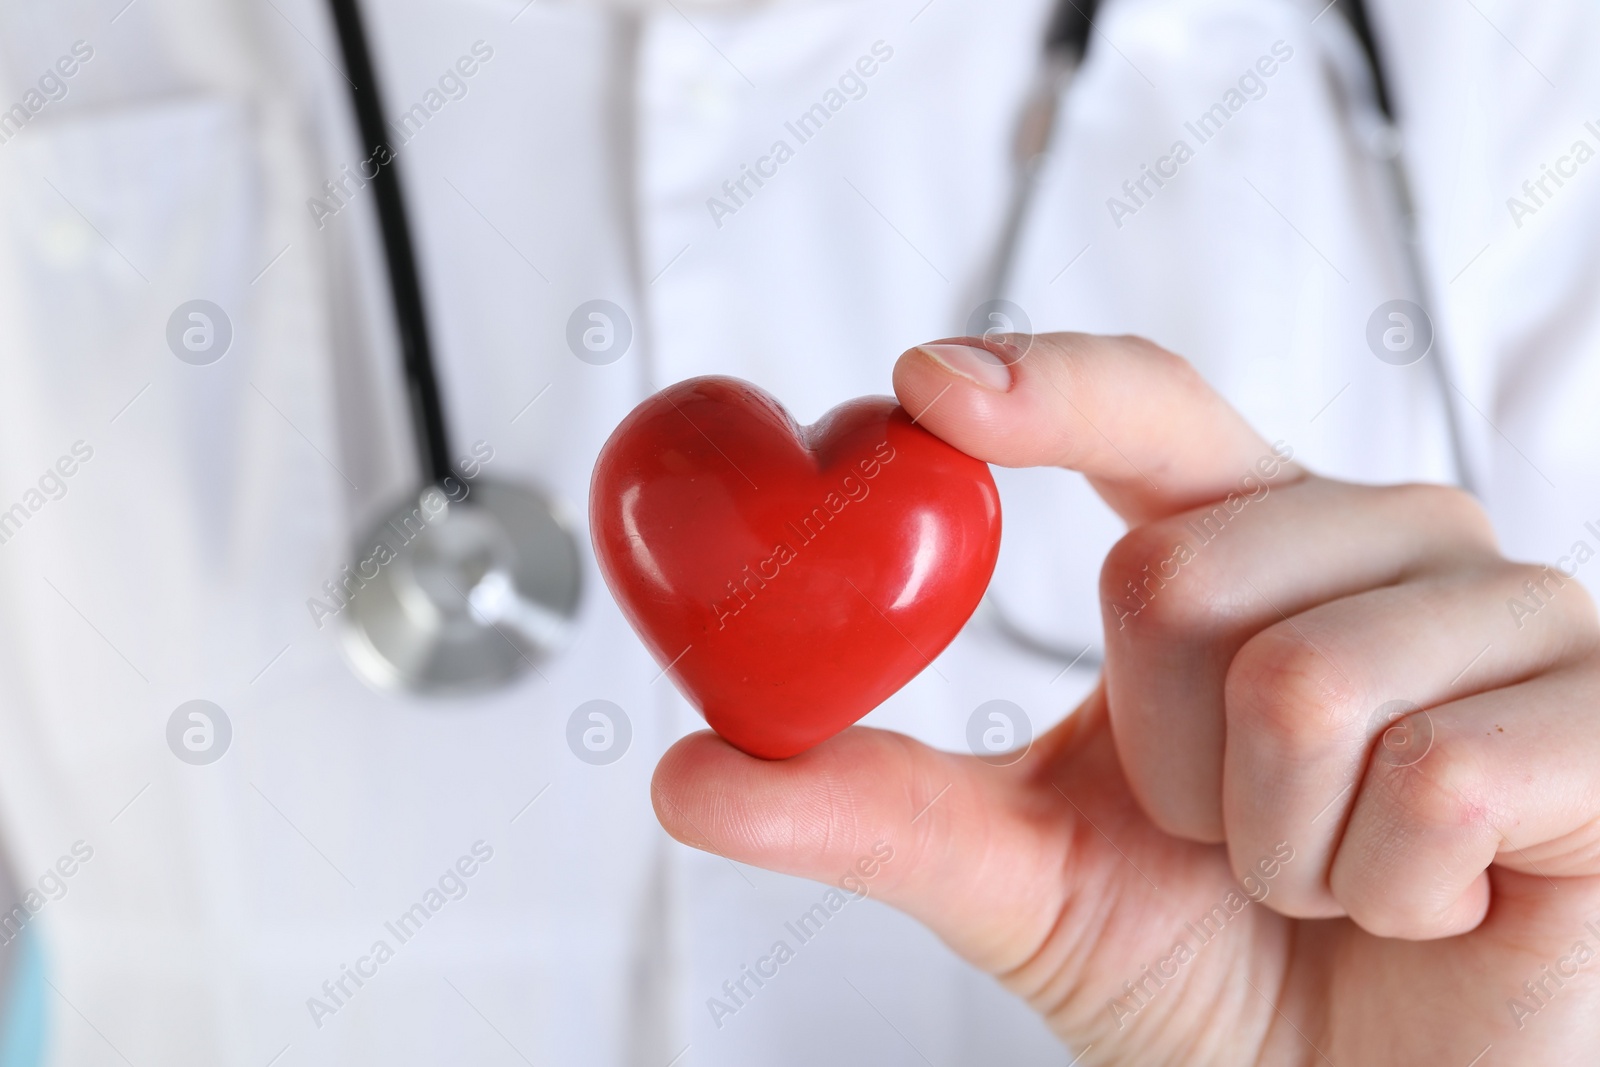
[405,288]
[467,597]
[1066,43]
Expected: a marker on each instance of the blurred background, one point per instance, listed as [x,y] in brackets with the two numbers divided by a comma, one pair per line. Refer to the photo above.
[211,821]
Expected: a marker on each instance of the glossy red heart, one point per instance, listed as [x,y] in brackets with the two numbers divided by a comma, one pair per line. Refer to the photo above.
[789,578]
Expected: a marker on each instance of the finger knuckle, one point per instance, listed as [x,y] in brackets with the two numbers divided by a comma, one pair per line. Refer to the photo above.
[1450,508]
[1152,577]
[1583,613]
[1145,348]
[1378,914]
[1532,587]
[1442,792]
[1534,584]
[1168,366]
[1282,687]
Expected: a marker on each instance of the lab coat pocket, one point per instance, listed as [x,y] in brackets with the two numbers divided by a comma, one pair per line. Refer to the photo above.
[118,224]
[114,222]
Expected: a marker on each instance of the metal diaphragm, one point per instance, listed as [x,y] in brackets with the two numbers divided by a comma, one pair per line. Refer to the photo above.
[460,596]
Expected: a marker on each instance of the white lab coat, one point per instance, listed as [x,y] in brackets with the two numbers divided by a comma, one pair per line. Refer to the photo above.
[578,165]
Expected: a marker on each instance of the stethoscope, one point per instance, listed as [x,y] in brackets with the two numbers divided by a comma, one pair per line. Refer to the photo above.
[1359,71]
[467,583]
[476,590]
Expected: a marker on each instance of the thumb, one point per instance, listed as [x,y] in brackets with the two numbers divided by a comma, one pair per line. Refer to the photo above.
[953,842]
[1153,438]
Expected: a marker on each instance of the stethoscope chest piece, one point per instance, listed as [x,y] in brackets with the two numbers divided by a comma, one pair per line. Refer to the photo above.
[467,594]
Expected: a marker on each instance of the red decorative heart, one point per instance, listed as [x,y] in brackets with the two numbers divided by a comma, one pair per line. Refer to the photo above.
[789,578]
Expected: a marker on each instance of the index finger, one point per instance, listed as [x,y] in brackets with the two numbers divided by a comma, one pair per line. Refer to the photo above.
[1153,438]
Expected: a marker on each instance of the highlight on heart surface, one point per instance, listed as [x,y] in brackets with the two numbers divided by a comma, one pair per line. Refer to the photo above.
[789,579]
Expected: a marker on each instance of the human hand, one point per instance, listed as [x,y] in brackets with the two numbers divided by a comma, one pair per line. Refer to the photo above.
[1230,854]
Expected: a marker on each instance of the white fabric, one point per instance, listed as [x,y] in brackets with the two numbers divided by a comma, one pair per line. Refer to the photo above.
[578,166]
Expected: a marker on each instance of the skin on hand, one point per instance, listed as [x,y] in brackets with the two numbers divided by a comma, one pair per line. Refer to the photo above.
[1332,801]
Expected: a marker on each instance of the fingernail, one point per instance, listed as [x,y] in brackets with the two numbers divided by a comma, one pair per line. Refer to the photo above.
[979,366]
